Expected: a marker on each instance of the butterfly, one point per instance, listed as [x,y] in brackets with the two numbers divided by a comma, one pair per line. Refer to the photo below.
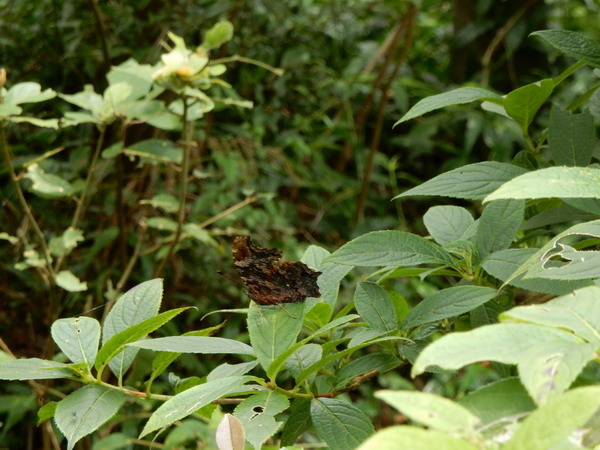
[269,282]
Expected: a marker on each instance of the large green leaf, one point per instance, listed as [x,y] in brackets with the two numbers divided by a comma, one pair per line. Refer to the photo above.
[190,400]
[155,150]
[78,338]
[451,302]
[340,424]
[374,305]
[552,423]
[578,312]
[303,358]
[456,97]
[138,76]
[297,422]
[390,248]
[257,414]
[498,226]
[273,329]
[571,137]
[504,343]
[136,305]
[559,182]
[470,182]
[33,369]
[523,103]
[413,438]
[331,274]
[535,265]
[447,223]
[504,263]
[195,344]
[573,44]
[85,410]
[432,411]
[548,368]
[116,344]
[27,92]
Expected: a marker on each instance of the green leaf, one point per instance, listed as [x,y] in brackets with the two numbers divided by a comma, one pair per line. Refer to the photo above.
[451,302]
[536,263]
[48,185]
[137,76]
[505,343]
[33,369]
[27,92]
[231,370]
[498,400]
[331,273]
[557,419]
[549,368]
[46,412]
[380,362]
[85,410]
[136,305]
[390,248]
[498,226]
[573,44]
[69,282]
[559,182]
[42,123]
[115,345]
[167,202]
[63,244]
[155,150]
[578,312]
[456,97]
[190,400]
[195,344]
[340,424]
[373,303]
[432,411]
[571,137]
[78,338]
[414,438]
[447,223]
[470,182]
[302,358]
[7,110]
[220,33]
[523,103]
[504,263]
[297,423]
[278,362]
[257,414]
[86,99]
[273,330]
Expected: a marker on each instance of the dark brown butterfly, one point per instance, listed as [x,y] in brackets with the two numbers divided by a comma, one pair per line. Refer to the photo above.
[270,283]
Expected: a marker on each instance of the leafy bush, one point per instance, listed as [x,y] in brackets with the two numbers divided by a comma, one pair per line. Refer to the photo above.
[515,287]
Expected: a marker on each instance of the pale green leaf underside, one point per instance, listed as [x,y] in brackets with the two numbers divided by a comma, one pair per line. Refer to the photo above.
[85,410]
[431,410]
[195,344]
[558,182]
[413,438]
[553,422]
[33,369]
[190,400]
[573,44]
[504,343]
[78,338]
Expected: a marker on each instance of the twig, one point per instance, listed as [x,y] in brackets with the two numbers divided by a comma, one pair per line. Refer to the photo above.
[187,137]
[498,38]
[101,29]
[24,205]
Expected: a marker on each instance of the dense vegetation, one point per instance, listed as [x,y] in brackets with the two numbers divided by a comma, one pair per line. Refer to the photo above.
[436,163]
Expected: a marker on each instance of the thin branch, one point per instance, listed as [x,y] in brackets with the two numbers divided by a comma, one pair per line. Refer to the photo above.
[23,202]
